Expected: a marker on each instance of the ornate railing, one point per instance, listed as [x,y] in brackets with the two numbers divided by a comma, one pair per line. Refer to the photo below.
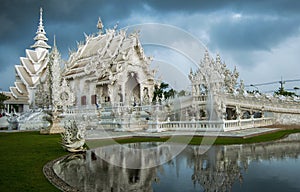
[272,104]
[222,125]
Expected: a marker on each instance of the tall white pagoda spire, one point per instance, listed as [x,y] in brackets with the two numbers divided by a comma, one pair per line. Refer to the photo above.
[40,38]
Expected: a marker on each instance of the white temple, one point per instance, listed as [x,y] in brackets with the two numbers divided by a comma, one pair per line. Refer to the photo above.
[110,68]
[111,72]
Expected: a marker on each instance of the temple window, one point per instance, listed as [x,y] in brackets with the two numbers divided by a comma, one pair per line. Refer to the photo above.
[83,100]
[93,99]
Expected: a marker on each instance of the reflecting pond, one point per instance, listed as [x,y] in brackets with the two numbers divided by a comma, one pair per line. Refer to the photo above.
[272,166]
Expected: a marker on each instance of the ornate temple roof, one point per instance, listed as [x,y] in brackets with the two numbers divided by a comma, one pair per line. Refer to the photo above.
[106,51]
[21,87]
[13,99]
[214,73]
[32,67]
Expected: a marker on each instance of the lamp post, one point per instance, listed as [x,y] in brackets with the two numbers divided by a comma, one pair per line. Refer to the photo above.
[296,90]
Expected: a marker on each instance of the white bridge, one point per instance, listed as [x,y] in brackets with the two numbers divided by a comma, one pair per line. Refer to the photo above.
[190,113]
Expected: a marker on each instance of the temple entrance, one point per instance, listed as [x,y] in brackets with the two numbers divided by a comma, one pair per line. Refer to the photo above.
[132,92]
[102,94]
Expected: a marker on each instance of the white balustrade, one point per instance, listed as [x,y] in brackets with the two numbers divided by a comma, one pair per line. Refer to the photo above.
[272,105]
[222,125]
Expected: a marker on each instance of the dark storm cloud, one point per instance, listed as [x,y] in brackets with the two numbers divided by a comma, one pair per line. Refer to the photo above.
[254,6]
[18,17]
[69,19]
[253,34]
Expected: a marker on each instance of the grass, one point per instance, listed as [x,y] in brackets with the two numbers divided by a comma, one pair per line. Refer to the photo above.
[23,155]
[256,139]
[198,140]
[22,158]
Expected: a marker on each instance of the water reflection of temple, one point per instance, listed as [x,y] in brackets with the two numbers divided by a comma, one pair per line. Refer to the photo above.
[87,172]
[222,166]
[216,170]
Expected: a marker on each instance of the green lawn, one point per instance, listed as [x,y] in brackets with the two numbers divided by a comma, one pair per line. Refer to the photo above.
[24,154]
[198,140]
[256,139]
[22,158]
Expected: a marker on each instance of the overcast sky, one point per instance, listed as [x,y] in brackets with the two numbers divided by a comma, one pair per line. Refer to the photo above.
[261,38]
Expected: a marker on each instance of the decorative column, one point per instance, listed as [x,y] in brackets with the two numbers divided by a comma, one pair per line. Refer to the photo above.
[263,111]
[31,93]
[8,108]
[252,117]
[150,93]
[193,90]
[111,94]
[123,93]
[154,125]
[238,115]
[197,91]
[141,93]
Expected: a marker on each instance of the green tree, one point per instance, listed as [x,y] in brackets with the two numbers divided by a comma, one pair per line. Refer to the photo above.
[181,93]
[283,92]
[163,90]
[3,98]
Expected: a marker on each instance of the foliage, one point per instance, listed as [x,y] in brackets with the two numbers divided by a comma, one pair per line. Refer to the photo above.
[181,93]
[161,91]
[3,98]
[253,92]
[283,92]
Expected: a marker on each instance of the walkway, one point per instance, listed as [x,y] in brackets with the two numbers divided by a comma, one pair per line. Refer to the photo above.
[109,134]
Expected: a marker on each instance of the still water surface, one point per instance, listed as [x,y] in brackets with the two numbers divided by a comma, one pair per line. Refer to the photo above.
[273,166]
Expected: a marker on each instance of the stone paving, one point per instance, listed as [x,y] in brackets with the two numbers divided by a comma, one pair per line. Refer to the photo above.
[107,134]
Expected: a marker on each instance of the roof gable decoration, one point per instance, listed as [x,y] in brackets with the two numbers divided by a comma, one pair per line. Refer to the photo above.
[34,68]
[214,74]
[107,45]
[36,56]
[21,87]
[23,74]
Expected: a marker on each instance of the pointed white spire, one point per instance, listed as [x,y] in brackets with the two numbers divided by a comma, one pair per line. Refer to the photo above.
[54,48]
[218,59]
[40,38]
[54,41]
[41,18]
[100,25]
[55,61]
[206,59]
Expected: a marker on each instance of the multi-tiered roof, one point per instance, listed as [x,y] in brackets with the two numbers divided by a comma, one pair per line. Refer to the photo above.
[106,54]
[32,67]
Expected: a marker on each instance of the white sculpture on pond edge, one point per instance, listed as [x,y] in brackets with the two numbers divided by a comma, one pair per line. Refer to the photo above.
[73,139]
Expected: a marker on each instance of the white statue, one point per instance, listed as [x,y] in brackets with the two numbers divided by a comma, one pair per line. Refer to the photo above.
[73,139]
